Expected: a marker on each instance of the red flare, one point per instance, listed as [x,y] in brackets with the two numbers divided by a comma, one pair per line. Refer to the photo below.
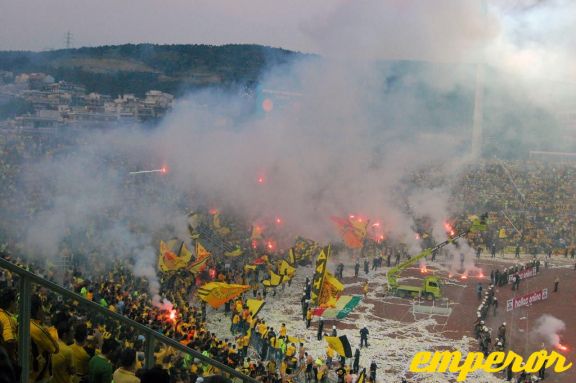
[464,277]
[172,315]
[213,211]
[561,347]
[270,245]
[449,229]
[376,224]
[260,180]
[278,220]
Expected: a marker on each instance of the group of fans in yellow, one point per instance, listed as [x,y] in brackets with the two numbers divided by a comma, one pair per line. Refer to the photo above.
[69,344]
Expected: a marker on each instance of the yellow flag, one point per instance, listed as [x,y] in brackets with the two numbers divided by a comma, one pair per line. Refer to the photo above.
[185,255]
[319,274]
[285,268]
[502,233]
[291,257]
[274,280]
[254,306]
[334,282]
[218,293]
[168,260]
[340,344]
[201,252]
[198,265]
[331,290]
[234,253]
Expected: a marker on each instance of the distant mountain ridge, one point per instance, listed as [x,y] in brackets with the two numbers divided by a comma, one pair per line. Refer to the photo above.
[137,68]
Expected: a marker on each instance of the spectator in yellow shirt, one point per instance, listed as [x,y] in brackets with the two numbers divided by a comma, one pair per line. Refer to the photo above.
[8,325]
[329,356]
[80,356]
[62,361]
[43,345]
[125,373]
[283,330]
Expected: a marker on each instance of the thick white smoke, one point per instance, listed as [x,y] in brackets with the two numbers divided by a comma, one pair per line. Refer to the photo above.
[355,129]
[548,328]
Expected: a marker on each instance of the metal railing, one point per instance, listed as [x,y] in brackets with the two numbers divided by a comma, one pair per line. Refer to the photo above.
[25,290]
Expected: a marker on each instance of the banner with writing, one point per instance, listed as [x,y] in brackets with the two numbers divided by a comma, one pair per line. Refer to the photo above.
[523,274]
[526,300]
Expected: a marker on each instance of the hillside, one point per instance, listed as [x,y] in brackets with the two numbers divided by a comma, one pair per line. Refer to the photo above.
[137,68]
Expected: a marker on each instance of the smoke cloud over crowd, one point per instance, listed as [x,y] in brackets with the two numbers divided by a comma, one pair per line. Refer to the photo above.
[355,129]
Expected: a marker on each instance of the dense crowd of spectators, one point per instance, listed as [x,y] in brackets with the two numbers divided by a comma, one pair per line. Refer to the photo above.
[532,201]
[531,207]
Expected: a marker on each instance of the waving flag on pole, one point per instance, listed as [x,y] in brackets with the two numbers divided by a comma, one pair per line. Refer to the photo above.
[201,251]
[340,344]
[173,256]
[218,293]
[254,306]
[319,274]
[352,231]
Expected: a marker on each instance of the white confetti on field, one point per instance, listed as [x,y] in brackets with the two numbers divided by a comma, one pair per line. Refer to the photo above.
[392,343]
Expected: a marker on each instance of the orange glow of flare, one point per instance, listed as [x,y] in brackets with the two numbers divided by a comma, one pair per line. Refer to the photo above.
[172,315]
[267,105]
[270,245]
[278,220]
[449,229]
[417,236]
[376,224]
[423,270]
[464,277]
[561,347]
[351,216]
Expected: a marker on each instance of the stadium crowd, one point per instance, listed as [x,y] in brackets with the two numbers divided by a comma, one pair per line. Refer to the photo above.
[69,345]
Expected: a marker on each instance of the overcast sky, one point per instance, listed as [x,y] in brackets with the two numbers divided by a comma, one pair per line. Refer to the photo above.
[532,36]
[304,25]
[41,24]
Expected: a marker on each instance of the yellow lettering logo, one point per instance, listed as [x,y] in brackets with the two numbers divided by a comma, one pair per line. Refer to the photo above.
[452,361]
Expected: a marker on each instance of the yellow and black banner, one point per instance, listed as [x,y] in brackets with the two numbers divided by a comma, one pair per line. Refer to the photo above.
[319,274]
[340,344]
